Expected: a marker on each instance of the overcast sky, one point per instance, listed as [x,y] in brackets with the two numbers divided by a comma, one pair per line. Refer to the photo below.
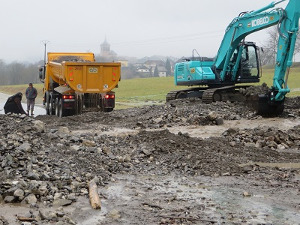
[133,27]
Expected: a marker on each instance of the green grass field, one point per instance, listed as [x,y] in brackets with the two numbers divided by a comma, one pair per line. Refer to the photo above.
[143,91]
[293,80]
[130,93]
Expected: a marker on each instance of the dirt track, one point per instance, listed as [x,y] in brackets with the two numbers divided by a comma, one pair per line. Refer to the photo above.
[180,163]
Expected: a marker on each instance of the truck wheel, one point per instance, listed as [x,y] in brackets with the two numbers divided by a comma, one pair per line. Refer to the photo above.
[47,98]
[108,109]
[57,107]
[78,105]
[62,111]
[52,106]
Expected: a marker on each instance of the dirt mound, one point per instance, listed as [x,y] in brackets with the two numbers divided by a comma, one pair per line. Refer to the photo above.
[256,90]
[178,112]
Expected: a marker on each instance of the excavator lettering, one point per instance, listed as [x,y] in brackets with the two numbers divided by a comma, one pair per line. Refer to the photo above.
[237,61]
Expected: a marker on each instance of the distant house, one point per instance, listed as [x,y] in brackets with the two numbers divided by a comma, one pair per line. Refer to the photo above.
[124,63]
[142,69]
[162,71]
[154,63]
[136,65]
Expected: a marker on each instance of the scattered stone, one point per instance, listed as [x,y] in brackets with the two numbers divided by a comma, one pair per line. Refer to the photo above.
[19,193]
[219,121]
[212,116]
[63,130]
[246,194]
[115,214]
[30,199]
[9,199]
[39,126]
[25,147]
[62,202]
[75,147]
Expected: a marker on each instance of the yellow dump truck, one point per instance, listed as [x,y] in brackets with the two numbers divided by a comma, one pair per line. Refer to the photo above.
[74,81]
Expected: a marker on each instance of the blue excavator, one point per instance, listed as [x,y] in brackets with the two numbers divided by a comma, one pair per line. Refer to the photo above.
[237,62]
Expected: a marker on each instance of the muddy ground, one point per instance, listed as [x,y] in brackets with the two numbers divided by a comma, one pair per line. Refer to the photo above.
[183,162]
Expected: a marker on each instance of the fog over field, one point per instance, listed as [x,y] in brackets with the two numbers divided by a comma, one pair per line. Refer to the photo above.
[133,28]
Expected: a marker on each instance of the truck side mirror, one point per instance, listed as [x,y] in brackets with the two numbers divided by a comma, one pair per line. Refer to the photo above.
[42,73]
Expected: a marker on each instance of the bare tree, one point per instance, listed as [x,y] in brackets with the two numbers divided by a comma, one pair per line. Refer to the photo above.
[297,47]
[270,47]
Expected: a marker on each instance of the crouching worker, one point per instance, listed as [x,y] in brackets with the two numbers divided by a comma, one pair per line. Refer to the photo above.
[13,104]
[31,94]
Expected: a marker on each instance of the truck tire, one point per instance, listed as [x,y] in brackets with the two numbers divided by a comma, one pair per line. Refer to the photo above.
[57,107]
[108,109]
[47,103]
[79,104]
[61,111]
[52,105]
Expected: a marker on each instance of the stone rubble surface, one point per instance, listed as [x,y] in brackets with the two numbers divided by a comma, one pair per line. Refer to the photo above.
[44,161]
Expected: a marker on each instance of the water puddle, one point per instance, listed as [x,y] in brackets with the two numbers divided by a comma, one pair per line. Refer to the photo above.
[118,132]
[216,131]
[274,165]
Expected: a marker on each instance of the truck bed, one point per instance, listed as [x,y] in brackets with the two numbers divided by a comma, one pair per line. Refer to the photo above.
[86,77]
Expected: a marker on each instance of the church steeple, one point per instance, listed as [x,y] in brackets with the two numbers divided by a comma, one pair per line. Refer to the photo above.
[106,54]
[105,47]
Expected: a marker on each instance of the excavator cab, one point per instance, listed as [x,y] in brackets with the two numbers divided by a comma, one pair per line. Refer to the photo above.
[249,66]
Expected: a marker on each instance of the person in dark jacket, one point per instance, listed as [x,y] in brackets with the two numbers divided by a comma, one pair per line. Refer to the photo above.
[13,104]
[31,94]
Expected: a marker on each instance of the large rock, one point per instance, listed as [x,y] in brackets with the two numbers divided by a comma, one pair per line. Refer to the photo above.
[19,193]
[9,199]
[62,202]
[25,147]
[39,126]
[47,215]
[30,199]
[63,130]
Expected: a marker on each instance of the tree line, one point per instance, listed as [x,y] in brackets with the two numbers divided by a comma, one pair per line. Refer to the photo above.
[18,73]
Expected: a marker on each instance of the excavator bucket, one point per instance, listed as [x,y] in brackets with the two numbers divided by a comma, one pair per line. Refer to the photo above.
[265,107]
[13,104]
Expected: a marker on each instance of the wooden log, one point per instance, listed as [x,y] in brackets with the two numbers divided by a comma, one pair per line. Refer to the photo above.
[93,195]
[26,219]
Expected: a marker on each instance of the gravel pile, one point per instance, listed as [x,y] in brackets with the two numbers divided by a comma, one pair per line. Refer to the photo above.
[265,138]
[70,59]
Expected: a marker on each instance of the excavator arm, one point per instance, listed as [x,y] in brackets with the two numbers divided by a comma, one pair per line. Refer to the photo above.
[239,28]
[288,31]
[250,22]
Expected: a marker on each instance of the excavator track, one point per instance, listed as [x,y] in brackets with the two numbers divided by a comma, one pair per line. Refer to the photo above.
[259,102]
[208,95]
[171,96]
[214,94]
